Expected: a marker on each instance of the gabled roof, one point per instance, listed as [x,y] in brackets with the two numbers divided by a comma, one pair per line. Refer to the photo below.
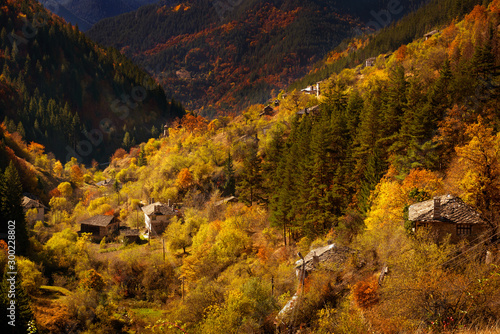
[100,220]
[332,254]
[161,208]
[451,210]
[29,203]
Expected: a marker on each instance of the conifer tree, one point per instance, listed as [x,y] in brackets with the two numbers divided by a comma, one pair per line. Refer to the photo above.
[250,185]
[11,208]
[230,184]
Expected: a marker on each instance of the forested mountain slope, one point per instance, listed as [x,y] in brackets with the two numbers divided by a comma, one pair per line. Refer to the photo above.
[63,91]
[353,52]
[85,13]
[420,123]
[219,58]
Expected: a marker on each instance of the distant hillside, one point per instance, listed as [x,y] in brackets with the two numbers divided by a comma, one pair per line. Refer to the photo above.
[219,58]
[352,52]
[85,13]
[63,91]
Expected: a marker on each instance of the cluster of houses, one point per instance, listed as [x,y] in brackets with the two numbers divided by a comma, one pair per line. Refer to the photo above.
[157,216]
[444,216]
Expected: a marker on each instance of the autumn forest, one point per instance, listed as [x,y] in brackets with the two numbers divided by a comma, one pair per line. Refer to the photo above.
[366,203]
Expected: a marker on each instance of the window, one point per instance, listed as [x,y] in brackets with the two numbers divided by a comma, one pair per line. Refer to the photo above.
[464,229]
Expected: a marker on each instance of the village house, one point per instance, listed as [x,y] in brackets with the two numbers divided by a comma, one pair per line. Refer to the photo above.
[430,34]
[312,90]
[231,199]
[370,62]
[307,111]
[328,257]
[268,111]
[448,215]
[157,217]
[105,183]
[100,226]
[29,204]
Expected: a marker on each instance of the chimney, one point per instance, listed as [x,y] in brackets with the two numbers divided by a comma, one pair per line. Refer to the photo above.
[437,208]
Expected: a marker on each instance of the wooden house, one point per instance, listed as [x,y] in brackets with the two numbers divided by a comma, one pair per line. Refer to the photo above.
[29,203]
[157,217]
[100,226]
[448,215]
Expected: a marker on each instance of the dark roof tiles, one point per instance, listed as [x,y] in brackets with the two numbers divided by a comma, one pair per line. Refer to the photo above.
[452,210]
[100,220]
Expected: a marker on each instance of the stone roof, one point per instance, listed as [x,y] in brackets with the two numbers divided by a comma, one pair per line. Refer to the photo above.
[100,220]
[161,209]
[450,209]
[304,111]
[29,203]
[106,182]
[429,34]
[328,254]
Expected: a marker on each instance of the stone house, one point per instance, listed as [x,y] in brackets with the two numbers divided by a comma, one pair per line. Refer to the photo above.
[328,257]
[100,226]
[448,215]
[370,62]
[430,34]
[29,204]
[157,217]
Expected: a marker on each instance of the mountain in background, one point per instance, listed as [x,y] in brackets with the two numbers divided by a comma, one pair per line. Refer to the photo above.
[218,58]
[60,89]
[85,13]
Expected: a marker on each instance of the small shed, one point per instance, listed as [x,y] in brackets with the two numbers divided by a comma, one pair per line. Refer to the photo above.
[100,226]
[29,203]
[130,235]
[448,215]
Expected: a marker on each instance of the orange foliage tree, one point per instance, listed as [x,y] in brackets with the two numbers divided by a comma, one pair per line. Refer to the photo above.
[184,178]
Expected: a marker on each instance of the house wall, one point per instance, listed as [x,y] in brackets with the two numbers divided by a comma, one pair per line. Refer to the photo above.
[158,225]
[442,229]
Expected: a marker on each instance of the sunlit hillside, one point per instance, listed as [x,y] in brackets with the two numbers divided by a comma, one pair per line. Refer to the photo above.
[317,214]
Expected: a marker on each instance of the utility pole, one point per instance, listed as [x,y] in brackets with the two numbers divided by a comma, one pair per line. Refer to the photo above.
[163,239]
